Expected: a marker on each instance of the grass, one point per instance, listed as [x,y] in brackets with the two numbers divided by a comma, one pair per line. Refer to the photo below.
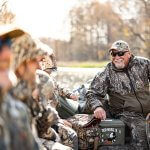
[89,64]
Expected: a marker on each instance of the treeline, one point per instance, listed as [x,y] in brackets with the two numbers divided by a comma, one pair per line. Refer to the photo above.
[95,25]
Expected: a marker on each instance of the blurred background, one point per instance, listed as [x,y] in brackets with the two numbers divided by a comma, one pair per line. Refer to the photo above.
[81,31]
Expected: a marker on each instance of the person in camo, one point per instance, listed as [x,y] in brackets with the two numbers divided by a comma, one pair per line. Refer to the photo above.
[26,54]
[14,117]
[48,92]
[126,81]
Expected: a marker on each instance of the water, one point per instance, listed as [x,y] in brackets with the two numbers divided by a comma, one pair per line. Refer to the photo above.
[74,77]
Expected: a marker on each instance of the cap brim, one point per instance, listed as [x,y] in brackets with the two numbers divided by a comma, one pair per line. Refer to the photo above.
[112,49]
[10,31]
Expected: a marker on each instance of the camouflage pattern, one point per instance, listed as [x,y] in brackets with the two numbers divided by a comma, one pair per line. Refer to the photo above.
[118,147]
[87,130]
[22,91]
[68,136]
[49,116]
[136,123]
[48,96]
[46,86]
[25,48]
[15,127]
[42,116]
[62,91]
[15,123]
[51,145]
[121,85]
[120,46]
[49,62]
[117,84]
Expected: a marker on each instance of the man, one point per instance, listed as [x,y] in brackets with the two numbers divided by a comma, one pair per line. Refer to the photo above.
[126,81]
[48,64]
[7,33]
[14,119]
[49,90]
[27,52]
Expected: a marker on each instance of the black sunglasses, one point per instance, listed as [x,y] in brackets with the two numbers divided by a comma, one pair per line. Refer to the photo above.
[121,53]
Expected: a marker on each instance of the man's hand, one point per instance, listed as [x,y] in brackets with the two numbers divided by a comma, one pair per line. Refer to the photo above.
[73,97]
[100,113]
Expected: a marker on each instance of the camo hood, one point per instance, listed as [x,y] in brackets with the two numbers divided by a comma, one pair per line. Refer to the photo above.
[49,61]
[10,31]
[25,48]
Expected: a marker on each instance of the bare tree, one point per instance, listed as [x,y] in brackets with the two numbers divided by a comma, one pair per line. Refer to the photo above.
[93,28]
[138,26]
[6,16]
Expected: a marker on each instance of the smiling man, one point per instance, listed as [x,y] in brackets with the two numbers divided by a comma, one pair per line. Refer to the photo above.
[120,55]
[126,81]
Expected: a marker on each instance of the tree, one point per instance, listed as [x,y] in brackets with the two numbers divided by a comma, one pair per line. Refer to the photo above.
[138,26]
[6,16]
[93,28]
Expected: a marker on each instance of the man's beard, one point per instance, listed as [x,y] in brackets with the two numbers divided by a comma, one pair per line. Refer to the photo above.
[119,64]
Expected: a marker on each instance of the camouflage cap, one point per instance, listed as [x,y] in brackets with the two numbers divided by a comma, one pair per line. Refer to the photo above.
[49,60]
[25,48]
[11,31]
[120,46]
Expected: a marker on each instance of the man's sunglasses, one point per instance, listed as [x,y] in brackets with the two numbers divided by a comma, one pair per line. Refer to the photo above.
[114,54]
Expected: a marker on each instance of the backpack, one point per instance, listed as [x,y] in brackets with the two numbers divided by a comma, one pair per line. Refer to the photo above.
[88,131]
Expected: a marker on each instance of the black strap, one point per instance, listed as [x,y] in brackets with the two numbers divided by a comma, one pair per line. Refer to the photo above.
[92,122]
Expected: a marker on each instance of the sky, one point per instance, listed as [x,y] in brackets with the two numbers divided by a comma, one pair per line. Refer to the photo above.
[44,18]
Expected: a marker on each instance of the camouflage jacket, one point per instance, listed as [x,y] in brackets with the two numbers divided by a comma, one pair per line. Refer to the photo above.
[62,91]
[15,126]
[23,92]
[48,96]
[47,88]
[48,100]
[128,88]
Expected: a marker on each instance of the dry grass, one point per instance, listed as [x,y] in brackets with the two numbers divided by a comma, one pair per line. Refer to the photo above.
[89,64]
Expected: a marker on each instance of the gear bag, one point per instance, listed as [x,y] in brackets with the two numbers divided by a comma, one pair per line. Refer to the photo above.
[88,131]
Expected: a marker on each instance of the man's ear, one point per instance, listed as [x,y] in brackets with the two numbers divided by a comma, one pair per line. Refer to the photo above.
[129,54]
[21,69]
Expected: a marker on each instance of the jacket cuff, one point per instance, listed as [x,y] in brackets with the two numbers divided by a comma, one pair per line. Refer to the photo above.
[95,106]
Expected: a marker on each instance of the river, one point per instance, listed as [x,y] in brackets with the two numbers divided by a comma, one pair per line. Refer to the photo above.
[74,77]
